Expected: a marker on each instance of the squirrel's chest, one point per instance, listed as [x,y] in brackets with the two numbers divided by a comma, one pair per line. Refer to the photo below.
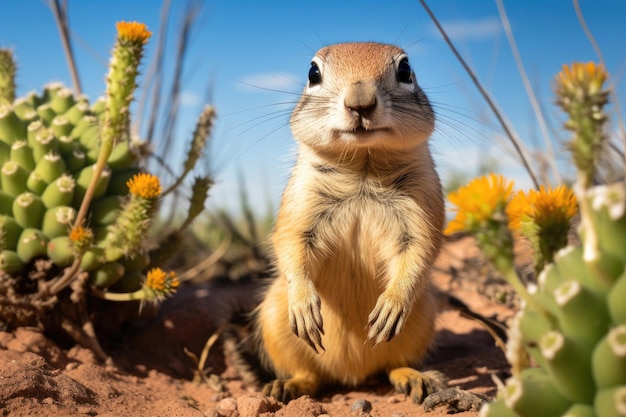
[355,219]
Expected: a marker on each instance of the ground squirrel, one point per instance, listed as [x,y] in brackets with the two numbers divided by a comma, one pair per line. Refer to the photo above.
[359,226]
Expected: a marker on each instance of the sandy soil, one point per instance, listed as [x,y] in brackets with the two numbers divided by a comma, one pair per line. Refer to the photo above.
[151,374]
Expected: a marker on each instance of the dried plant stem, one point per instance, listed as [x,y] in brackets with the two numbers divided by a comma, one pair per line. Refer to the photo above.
[60,16]
[551,159]
[208,262]
[174,95]
[507,129]
[68,275]
[201,362]
[153,82]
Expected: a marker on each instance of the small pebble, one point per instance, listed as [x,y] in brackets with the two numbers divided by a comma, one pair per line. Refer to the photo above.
[227,407]
[361,405]
[71,366]
[337,398]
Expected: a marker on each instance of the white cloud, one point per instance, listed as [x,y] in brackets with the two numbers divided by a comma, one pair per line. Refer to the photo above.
[281,81]
[189,98]
[472,30]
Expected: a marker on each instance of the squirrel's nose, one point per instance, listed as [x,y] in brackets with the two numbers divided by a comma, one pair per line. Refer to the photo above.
[361,98]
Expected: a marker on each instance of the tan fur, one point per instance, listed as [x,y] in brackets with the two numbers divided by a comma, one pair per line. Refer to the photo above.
[358,229]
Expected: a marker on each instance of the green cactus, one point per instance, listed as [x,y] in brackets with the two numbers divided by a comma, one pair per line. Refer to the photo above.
[72,190]
[7,77]
[573,322]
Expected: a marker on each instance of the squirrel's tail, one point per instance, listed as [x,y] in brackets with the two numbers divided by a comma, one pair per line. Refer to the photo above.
[243,348]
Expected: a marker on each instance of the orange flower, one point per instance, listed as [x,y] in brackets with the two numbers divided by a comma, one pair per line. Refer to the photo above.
[482,199]
[133,31]
[145,185]
[81,237]
[160,282]
[589,77]
[546,208]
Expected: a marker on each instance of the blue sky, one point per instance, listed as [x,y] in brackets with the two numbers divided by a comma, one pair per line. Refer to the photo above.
[240,49]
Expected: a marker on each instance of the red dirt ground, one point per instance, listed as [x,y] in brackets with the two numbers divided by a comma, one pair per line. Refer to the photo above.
[151,375]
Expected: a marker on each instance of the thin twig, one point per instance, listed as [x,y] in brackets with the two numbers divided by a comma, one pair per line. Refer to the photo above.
[490,101]
[208,262]
[60,16]
[174,95]
[614,98]
[529,91]
[153,82]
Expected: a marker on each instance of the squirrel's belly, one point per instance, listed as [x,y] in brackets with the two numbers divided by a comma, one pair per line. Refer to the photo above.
[348,293]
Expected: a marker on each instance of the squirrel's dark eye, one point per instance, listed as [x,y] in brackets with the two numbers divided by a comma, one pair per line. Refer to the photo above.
[315,77]
[405,75]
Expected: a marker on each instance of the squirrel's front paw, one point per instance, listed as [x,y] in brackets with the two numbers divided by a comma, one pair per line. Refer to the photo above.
[305,317]
[386,319]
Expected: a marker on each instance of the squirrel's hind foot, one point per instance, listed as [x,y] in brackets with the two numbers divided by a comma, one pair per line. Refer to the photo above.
[286,390]
[417,385]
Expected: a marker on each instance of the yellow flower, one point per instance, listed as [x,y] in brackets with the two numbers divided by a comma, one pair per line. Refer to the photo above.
[144,185]
[589,76]
[547,208]
[482,199]
[160,282]
[81,238]
[133,31]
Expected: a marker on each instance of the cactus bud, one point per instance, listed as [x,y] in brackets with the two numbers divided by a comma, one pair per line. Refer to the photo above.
[13,178]
[82,125]
[10,232]
[50,167]
[5,153]
[11,127]
[60,251]
[60,126]
[75,113]
[6,204]
[131,281]
[57,221]
[61,100]
[608,361]
[32,129]
[66,145]
[92,259]
[107,275]
[43,143]
[611,402]
[89,137]
[28,210]
[122,156]
[10,262]
[106,209]
[83,180]
[75,160]
[35,183]
[22,154]
[59,192]
[119,180]
[580,410]
[615,300]
[24,109]
[574,301]
[533,393]
[46,113]
[32,244]
[569,366]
